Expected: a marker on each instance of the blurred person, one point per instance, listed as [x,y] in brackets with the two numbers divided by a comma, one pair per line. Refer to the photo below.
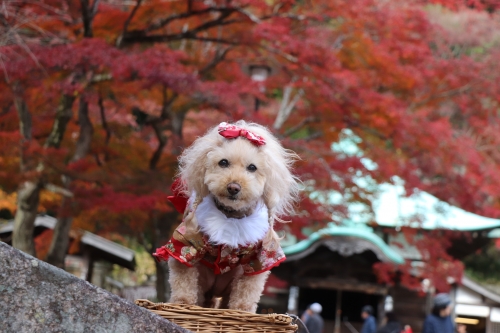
[303,317]
[392,325]
[312,319]
[369,325]
[408,329]
[461,328]
[439,321]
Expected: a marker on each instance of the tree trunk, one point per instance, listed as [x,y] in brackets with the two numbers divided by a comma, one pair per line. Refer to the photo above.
[60,240]
[177,119]
[28,195]
[86,131]
[163,226]
[28,198]
[88,14]
[25,125]
[162,285]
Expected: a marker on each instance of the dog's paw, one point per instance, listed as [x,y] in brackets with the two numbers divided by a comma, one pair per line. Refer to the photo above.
[182,300]
[247,307]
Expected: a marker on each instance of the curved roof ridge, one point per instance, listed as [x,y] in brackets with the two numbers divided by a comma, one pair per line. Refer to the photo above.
[363,232]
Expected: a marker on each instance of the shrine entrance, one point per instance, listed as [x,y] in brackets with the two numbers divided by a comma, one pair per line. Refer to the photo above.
[350,306]
[335,269]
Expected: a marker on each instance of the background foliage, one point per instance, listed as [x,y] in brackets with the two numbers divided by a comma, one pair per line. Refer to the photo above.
[98,98]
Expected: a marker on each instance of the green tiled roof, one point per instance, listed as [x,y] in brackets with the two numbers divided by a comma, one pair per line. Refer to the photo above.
[392,209]
[358,231]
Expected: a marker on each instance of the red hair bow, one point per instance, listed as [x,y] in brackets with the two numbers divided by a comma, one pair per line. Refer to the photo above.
[231,132]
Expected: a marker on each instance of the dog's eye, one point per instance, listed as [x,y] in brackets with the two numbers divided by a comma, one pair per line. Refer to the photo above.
[224,163]
[252,168]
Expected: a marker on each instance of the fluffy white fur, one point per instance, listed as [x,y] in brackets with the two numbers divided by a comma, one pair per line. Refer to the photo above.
[231,231]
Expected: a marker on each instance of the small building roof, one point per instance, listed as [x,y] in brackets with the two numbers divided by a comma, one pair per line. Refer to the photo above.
[480,289]
[422,210]
[348,240]
[99,246]
[41,221]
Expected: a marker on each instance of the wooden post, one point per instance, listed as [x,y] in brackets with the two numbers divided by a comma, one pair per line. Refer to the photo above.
[293,300]
[338,312]
[89,260]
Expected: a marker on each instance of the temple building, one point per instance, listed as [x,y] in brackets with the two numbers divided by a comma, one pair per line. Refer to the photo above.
[333,266]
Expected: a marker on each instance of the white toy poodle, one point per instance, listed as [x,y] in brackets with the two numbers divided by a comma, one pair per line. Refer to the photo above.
[238,180]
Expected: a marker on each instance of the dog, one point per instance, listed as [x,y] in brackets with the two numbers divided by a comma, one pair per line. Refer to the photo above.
[233,183]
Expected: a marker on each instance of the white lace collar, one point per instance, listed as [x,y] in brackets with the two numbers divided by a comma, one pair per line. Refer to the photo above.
[230,231]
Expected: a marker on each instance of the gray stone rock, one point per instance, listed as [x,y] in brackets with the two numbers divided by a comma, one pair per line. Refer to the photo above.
[38,297]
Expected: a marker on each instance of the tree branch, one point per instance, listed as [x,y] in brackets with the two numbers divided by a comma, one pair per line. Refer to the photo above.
[162,142]
[119,40]
[167,104]
[141,35]
[219,56]
[104,121]
[6,108]
[86,131]
[176,122]
[131,16]
[59,190]
[170,38]
[189,13]
[313,136]
[88,13]
[142,241]
[25,123]
[219,21]
[63,115]
[286,106]
[298,127]
[95,5]
[105,125]
[444,94]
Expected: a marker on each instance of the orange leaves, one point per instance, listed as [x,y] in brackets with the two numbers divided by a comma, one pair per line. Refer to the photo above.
[8,201]
[48,201]
[42,243]
[109,21]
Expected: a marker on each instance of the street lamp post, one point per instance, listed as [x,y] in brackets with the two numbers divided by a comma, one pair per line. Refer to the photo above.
[259,73]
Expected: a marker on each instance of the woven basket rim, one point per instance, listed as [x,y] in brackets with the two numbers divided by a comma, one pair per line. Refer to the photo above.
[210,315]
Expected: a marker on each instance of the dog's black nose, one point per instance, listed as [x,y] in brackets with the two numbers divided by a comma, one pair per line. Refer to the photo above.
[233,188]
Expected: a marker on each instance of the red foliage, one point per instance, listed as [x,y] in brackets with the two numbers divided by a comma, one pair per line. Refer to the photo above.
[436,265]
[419,101]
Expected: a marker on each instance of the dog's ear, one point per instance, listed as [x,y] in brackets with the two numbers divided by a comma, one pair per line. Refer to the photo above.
[281,190]
[193,163]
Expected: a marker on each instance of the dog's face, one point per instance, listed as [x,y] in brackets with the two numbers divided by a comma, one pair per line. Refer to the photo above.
[236,174]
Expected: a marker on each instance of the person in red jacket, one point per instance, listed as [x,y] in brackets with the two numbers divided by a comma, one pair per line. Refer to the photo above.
[408,329]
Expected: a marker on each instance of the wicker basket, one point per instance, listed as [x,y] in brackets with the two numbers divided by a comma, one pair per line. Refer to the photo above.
[201,320]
